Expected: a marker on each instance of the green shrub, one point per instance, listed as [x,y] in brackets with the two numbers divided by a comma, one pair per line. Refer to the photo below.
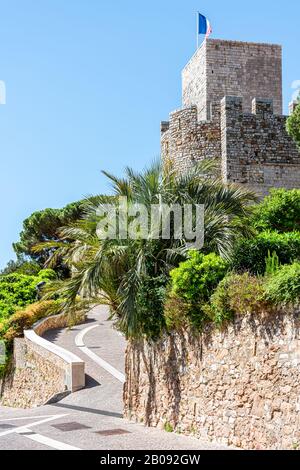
[47,275]
[3,359]
[15,325]
[21,266]
[193,282]
[168,427]
[272,264]
[150,305]
[250,254]
[236,294]
[279,211]
[18,290]
[177,312]
[195,278]
[3,368]
[283,287]
[293,125]
[6,309]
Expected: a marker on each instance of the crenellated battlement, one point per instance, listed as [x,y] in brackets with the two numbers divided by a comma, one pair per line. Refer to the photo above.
[260,107]
[263,108]
[256,148]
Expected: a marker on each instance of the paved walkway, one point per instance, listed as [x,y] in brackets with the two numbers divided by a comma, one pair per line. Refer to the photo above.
[91,418]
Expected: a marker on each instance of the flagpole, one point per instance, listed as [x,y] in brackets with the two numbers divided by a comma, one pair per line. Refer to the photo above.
[197,32]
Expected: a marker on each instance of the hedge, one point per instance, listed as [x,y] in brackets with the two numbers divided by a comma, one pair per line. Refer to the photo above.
[251,254]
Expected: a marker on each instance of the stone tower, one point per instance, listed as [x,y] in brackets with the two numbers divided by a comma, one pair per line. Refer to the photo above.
[230,68]
[232,110]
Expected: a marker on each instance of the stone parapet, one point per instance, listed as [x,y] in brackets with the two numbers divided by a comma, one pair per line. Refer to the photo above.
[187,140]
[256,148]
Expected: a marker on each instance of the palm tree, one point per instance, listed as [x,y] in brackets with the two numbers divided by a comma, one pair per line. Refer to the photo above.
[112,270]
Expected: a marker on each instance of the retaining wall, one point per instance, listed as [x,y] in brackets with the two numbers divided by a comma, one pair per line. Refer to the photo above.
[239,386]
[41,371]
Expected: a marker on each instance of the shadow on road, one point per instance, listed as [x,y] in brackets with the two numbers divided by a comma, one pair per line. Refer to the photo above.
[90,382]
[88,410]
[53,335]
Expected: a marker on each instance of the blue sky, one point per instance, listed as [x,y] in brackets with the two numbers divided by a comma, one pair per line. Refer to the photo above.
[88,82]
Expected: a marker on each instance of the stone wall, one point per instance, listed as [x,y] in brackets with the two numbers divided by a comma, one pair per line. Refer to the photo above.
[41,371]
[253,148]
[239,386]
[220,68]
[194,80]
[245,69]
[256,148]
[185,140]
[34,379]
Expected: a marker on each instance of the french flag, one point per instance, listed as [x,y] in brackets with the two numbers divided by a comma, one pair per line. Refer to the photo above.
[204,26]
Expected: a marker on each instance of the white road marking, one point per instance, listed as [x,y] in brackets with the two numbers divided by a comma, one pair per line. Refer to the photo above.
[25,417]
[79,338]
[47,441]
[105,365]
[118,375]
[22,428]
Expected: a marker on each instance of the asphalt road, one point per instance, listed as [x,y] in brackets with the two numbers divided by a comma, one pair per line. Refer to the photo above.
[91,418]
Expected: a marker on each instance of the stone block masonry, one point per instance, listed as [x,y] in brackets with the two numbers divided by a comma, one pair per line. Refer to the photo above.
[41,371]
[239,386]
[33,378]
[232,111]
[221,68]
[256,148]
[186,141]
